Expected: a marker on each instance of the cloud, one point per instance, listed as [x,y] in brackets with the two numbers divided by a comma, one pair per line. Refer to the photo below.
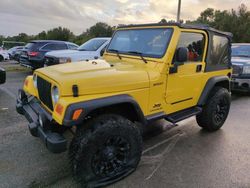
[33,16]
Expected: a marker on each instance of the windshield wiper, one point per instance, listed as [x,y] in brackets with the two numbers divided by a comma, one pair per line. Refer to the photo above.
[116,51]
[140,54]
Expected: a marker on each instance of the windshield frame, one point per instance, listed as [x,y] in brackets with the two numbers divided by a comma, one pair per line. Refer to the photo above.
[144,55]
[238,46]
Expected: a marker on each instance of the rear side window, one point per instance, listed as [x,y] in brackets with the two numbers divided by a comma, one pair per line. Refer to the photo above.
[54,46]
[61,46]
[219,53]
[34,45]
[194,42]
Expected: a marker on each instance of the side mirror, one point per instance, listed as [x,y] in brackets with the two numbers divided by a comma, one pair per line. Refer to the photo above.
[102,51]
[181,55]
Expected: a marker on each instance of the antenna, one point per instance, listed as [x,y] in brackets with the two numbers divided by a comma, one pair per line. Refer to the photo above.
[179,11]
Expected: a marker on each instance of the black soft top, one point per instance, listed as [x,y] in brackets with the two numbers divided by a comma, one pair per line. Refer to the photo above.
[185,26]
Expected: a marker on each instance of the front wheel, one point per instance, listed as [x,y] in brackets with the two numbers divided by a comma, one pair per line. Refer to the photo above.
[109,150]
[215,112]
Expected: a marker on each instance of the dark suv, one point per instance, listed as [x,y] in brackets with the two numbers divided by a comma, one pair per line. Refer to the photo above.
[33,54]
[241,67]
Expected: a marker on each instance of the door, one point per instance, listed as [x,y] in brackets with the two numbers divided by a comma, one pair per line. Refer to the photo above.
[184,86]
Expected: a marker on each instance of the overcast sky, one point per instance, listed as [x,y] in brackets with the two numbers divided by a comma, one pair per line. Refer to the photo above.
[34,16]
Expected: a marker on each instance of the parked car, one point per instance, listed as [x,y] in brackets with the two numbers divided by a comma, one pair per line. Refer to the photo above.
[6,45]
[2,75]
[14,52]
[33,54]
[92,49]
[4,55]
[241,67]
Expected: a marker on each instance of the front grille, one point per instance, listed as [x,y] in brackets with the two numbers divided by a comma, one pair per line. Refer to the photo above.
[237,69]
[44,92]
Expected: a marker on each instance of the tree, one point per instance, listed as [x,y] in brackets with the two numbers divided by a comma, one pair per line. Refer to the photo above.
[42,35]
[100,29]
[234,21]
[163,20]
[60,34]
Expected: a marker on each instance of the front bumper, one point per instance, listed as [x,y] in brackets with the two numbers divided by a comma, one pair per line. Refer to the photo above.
[240,84]
[32,109]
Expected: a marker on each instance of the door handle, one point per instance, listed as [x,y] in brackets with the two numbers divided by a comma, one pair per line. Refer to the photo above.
[198,68]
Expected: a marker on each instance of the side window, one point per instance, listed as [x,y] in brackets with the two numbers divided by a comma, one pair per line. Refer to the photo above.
[72,47]
[54,46]
[49,47]
[219,52]
[61,46]
[195,43]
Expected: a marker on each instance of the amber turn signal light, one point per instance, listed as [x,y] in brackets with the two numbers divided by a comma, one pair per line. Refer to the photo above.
[59,108]
[26,82]
[77,114]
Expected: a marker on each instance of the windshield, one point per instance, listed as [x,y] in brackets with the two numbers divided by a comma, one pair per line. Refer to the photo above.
[146,42]
[92,45]
[241,50]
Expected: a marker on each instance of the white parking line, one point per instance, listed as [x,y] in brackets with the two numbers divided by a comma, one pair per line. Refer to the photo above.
[8,92]
[159,158]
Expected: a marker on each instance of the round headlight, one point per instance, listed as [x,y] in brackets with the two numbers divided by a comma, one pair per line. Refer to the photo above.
[35,80]
[55,94]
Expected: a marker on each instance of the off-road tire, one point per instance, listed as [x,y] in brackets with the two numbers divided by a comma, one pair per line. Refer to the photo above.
[1,58]
[106,151]
[215,111]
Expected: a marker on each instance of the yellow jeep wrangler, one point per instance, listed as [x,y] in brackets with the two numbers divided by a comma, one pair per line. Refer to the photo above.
[149,72]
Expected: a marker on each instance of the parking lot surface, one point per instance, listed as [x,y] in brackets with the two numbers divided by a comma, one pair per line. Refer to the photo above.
[174,156]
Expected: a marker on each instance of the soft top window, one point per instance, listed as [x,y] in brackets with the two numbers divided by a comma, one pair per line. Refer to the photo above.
[219,53]
[194,42]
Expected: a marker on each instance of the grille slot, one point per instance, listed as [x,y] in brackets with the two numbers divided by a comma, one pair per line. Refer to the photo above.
[44,91]
[237,69]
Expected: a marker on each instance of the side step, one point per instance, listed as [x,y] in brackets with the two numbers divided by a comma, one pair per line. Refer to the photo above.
[184,114]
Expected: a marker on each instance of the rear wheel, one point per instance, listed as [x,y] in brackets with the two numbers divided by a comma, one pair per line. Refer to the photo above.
[215,112]
[106,152]
[1,58]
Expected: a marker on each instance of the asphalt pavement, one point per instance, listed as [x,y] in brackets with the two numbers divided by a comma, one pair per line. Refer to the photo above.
[174,156]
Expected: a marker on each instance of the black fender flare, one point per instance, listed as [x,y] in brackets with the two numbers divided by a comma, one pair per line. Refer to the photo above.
[210,85]
[91,105]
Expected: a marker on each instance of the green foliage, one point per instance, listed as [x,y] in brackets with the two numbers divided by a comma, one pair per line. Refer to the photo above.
[234,21]
[98,30]
[59,34]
